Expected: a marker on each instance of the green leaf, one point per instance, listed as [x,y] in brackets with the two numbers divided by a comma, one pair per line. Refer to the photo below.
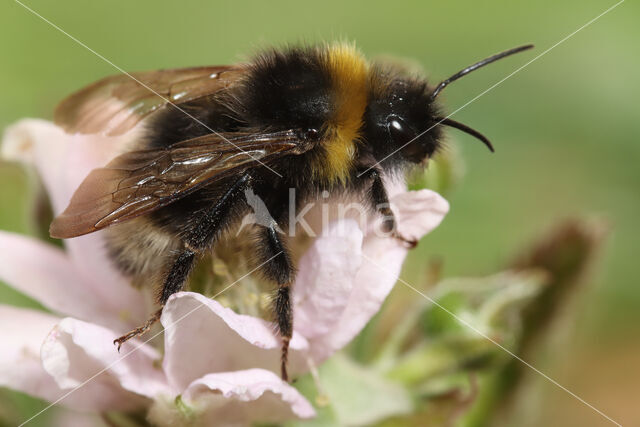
[492,304]
[442,357]
[436,321]
[354,395]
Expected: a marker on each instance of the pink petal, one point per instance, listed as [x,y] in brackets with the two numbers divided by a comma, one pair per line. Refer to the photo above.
[203,337]
[81,354]
[46,274]
[417,212]
[63,161]
[243,397]
[326,277]
[20,367]
[107,285]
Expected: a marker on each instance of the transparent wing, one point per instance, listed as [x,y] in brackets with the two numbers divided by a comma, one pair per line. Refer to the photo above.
[117,103]
[142,181]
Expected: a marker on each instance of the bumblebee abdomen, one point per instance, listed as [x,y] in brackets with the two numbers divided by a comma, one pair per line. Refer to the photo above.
[139,247]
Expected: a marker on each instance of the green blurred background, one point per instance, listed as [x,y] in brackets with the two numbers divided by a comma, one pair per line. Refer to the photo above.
[565,128]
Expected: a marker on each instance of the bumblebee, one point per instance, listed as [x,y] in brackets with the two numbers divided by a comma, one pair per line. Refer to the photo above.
[313,119]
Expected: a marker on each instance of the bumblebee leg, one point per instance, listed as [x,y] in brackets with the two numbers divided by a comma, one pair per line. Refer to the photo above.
[139,330]
[279,268]
[380,201]
[201,236]
[208,226]
[173,283]
[178,275]
[284,314]
[203,233]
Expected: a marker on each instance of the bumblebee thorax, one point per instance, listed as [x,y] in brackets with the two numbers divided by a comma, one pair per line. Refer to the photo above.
[348,73]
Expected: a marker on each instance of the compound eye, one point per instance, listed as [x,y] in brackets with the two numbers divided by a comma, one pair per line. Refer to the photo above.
[399,131]
[403,139]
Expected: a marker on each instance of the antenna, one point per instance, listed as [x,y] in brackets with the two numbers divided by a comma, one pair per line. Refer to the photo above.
[475,66]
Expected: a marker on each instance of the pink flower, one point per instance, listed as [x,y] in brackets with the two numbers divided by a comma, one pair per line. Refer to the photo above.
[219,363]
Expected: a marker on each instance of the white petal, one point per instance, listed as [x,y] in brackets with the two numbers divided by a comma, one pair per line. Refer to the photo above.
[20,367]
[417,212]
[17,146]
[46,274]
[244,397]
[81,354]
[114,291]
[326,278]
[203,337]
[63,161]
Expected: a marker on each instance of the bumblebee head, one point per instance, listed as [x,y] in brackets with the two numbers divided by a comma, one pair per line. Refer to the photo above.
[403,118]
[400,121]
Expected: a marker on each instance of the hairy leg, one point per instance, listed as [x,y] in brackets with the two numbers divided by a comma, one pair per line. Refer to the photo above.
[199,236]
[279,268]
[140,330]
[379,200]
